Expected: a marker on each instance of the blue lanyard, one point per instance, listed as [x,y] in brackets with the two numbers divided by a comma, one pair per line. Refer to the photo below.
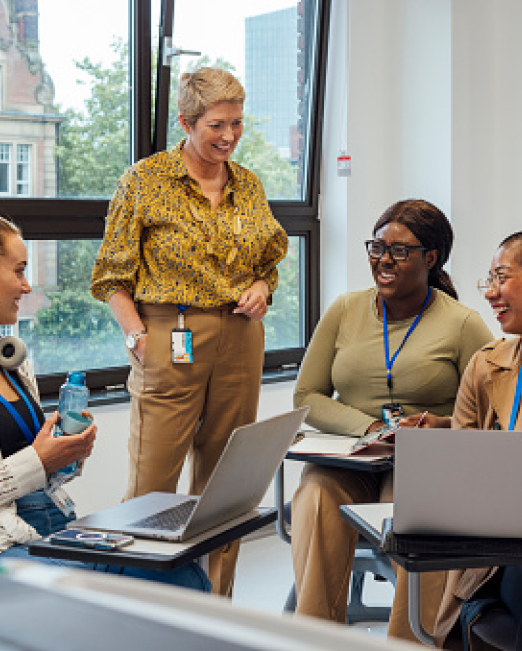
[389,362]
[516,402]
[30,436]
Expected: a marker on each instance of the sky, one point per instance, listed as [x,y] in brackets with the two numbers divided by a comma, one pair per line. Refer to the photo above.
[71,30]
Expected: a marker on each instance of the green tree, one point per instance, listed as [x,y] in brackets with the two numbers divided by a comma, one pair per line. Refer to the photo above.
[282,323]
[75,330]
[93,148]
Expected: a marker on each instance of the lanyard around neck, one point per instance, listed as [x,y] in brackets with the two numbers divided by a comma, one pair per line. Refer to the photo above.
[516,402]
[389,362]
[24,427]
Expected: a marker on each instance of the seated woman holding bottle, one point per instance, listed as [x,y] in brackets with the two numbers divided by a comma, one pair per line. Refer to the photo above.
[30,453]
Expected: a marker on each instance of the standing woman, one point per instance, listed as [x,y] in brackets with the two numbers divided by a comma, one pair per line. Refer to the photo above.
[400,346]
[188,267]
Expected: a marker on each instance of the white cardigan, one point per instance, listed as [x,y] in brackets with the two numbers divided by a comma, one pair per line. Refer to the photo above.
[20,474]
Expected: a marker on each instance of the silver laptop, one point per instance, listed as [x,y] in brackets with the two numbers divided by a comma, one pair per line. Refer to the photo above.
[237,485]
[458,482]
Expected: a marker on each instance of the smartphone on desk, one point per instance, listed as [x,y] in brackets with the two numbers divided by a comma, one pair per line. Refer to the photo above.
[91,539]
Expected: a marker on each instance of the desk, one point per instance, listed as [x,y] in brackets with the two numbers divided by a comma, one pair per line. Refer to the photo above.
[368,519]
[158,554]
[348,463]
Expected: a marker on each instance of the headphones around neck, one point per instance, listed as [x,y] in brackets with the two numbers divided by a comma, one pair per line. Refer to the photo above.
[13,352]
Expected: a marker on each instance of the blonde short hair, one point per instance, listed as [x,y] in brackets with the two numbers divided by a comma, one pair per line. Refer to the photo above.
[7,228]
[201,89]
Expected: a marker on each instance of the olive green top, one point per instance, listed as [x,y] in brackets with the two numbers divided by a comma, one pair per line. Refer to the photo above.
[343,375]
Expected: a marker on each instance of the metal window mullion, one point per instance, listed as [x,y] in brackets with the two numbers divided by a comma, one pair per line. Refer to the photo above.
[141,62]
[161,108]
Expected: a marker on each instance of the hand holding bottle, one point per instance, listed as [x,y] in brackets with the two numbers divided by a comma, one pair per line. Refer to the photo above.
[58,452]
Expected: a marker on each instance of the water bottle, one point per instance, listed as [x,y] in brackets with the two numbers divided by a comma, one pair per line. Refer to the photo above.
[73,397]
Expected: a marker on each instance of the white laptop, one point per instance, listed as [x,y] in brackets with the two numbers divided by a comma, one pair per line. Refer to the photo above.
[237,485]
[458,482]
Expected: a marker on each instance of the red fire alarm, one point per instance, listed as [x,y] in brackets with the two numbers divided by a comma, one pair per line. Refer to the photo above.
[344,164]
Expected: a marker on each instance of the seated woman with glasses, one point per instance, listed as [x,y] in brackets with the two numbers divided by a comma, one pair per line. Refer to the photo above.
[489,398]
[399,347]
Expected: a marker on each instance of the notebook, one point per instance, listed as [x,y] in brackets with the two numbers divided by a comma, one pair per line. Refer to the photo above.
[237,485]
[458,482]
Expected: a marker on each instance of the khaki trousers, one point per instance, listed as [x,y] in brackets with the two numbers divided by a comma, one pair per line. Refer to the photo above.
[191,409]
[323,548]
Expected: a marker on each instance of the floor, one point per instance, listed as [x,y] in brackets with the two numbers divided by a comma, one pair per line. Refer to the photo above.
[264,576]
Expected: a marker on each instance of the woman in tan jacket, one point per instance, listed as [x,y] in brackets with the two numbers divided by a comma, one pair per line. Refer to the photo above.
[487,399]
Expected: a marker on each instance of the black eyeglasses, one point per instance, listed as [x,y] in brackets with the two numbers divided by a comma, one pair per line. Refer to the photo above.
[399,252]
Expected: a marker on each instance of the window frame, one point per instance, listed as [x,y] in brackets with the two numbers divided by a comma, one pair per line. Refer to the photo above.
[28,164]
[9,165]
[50,219]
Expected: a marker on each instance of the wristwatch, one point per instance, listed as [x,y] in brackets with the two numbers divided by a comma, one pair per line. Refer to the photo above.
[131,340]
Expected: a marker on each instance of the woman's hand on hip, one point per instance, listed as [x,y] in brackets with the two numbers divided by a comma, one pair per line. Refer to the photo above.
[253,301]
[58,452]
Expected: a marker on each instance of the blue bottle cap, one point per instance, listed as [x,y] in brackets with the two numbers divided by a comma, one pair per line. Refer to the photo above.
[77,378]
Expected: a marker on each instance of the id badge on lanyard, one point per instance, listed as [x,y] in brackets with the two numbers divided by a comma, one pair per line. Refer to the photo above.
[392,413]
[182,341]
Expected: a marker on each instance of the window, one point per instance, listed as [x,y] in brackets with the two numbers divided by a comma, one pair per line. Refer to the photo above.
[22,169]
[5,169]
[89,107]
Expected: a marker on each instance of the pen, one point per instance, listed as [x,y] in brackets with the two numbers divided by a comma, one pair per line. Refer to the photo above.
[421,419]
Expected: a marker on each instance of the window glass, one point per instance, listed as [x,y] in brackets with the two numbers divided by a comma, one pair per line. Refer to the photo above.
[23,169]
[268,46]
[285,318]
[64,327]
[66,75]
[61,315]
[5,169]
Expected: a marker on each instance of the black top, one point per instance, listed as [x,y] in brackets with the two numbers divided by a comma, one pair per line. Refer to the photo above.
[11,437]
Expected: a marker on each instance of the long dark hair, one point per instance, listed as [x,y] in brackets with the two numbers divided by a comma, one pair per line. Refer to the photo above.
[433,230]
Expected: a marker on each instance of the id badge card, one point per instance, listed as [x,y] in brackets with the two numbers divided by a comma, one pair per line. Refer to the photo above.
[392,413]
[182,346]
[61,499]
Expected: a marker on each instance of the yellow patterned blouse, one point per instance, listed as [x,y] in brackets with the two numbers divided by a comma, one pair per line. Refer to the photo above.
[163,243]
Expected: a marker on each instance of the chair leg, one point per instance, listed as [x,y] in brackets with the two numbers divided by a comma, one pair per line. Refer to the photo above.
[291,602]
[357,611]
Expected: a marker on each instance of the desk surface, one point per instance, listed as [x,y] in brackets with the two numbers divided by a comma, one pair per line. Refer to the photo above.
[367,520]
[156,554]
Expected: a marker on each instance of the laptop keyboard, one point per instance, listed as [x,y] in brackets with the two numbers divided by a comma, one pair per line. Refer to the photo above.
[173,518]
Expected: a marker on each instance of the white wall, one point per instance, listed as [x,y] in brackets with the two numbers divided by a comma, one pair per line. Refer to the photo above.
[434,105]
[399,128]
[486,137]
